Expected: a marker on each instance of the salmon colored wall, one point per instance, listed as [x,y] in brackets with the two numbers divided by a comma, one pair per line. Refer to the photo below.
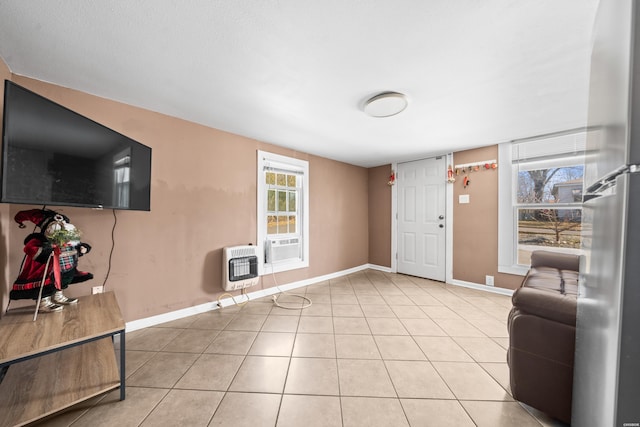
[339,215]
[5,74]
[380,216]
[475,225]
[203,198]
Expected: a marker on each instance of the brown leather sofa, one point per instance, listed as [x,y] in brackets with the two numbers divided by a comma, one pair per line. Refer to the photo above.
[542,334]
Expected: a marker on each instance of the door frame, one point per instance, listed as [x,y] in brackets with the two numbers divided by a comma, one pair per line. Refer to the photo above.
[448,223]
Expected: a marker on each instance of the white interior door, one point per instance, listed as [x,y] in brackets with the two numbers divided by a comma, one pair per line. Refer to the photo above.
[421,218]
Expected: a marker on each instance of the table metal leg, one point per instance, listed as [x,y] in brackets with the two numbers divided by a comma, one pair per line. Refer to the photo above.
[122,366]
[3,372]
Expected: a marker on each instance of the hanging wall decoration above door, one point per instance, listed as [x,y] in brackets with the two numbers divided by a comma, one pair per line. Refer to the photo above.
[468,168]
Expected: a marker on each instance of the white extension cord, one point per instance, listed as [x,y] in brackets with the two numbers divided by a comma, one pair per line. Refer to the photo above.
[274,298]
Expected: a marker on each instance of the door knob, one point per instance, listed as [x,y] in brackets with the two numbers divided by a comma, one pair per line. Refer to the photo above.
[441,225]
[441,217]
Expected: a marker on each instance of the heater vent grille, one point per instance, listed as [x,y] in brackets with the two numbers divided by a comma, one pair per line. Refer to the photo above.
[239,267]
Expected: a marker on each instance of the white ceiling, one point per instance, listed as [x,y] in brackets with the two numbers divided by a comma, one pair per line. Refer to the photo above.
[295,73]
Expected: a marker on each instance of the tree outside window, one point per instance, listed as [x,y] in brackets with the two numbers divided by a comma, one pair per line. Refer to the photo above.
[548,208]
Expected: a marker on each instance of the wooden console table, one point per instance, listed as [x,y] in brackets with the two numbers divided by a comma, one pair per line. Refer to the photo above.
[61,359]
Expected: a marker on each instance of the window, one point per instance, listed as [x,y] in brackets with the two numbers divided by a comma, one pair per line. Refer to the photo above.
[541,183]
[283,212]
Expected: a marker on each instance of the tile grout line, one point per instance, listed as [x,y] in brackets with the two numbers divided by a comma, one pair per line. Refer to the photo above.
[395,389]
[286,377]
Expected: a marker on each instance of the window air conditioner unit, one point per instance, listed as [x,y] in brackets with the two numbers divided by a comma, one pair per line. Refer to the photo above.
[239,267]
[282,249]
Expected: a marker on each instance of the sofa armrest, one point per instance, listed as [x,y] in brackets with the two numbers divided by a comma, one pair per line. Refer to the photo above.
[549,305]
[555,260]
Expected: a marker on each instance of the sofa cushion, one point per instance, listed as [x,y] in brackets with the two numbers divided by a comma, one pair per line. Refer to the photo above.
[546,304]
[553,280]
[556,260]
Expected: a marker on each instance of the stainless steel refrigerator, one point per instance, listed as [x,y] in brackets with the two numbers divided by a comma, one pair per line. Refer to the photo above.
[606,389]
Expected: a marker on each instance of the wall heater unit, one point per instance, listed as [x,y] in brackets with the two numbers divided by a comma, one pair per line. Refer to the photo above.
[282,249]
[239,267]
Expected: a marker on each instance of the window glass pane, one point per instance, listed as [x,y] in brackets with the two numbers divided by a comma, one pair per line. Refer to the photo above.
[292,224]
[270,178]
[282,201]
[552,185]
[283,224]
[282,179]
[292,201]
[271,200]
[548,229]
[291,180]
[272,224]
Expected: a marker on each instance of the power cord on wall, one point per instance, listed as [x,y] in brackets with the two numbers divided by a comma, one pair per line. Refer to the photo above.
[240,304]
[113,245]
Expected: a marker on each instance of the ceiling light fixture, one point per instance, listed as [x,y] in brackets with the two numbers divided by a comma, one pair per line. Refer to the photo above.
[385,104]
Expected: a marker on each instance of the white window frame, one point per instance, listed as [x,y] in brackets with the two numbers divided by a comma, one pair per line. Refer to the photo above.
[507,219]
[298,166]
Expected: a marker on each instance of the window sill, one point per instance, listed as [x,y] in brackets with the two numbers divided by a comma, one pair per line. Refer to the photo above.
[517,270]
[282,266]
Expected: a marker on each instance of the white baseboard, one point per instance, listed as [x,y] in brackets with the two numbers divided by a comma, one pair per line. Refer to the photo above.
[379,268]
[134,325]
[226,302]
[492,289]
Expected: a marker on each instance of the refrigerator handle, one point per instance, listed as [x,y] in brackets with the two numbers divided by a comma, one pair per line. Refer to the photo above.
[597,189]
[606,181]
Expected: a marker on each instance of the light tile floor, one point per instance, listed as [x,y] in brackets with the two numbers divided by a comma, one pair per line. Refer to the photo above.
[374,349]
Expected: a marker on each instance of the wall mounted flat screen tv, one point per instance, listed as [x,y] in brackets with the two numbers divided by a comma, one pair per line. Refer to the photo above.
[54,156]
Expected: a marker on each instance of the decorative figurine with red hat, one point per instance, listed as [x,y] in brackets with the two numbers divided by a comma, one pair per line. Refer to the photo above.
[51,260]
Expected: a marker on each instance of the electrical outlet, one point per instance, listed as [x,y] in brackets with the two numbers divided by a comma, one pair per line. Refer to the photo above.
[97,290]
[488,280]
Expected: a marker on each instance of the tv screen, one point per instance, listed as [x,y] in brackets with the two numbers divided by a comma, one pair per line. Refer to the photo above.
[54,156]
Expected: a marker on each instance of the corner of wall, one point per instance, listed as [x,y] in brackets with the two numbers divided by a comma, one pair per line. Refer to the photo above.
[379,201]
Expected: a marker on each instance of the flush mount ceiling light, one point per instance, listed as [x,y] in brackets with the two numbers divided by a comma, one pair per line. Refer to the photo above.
[385,104]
